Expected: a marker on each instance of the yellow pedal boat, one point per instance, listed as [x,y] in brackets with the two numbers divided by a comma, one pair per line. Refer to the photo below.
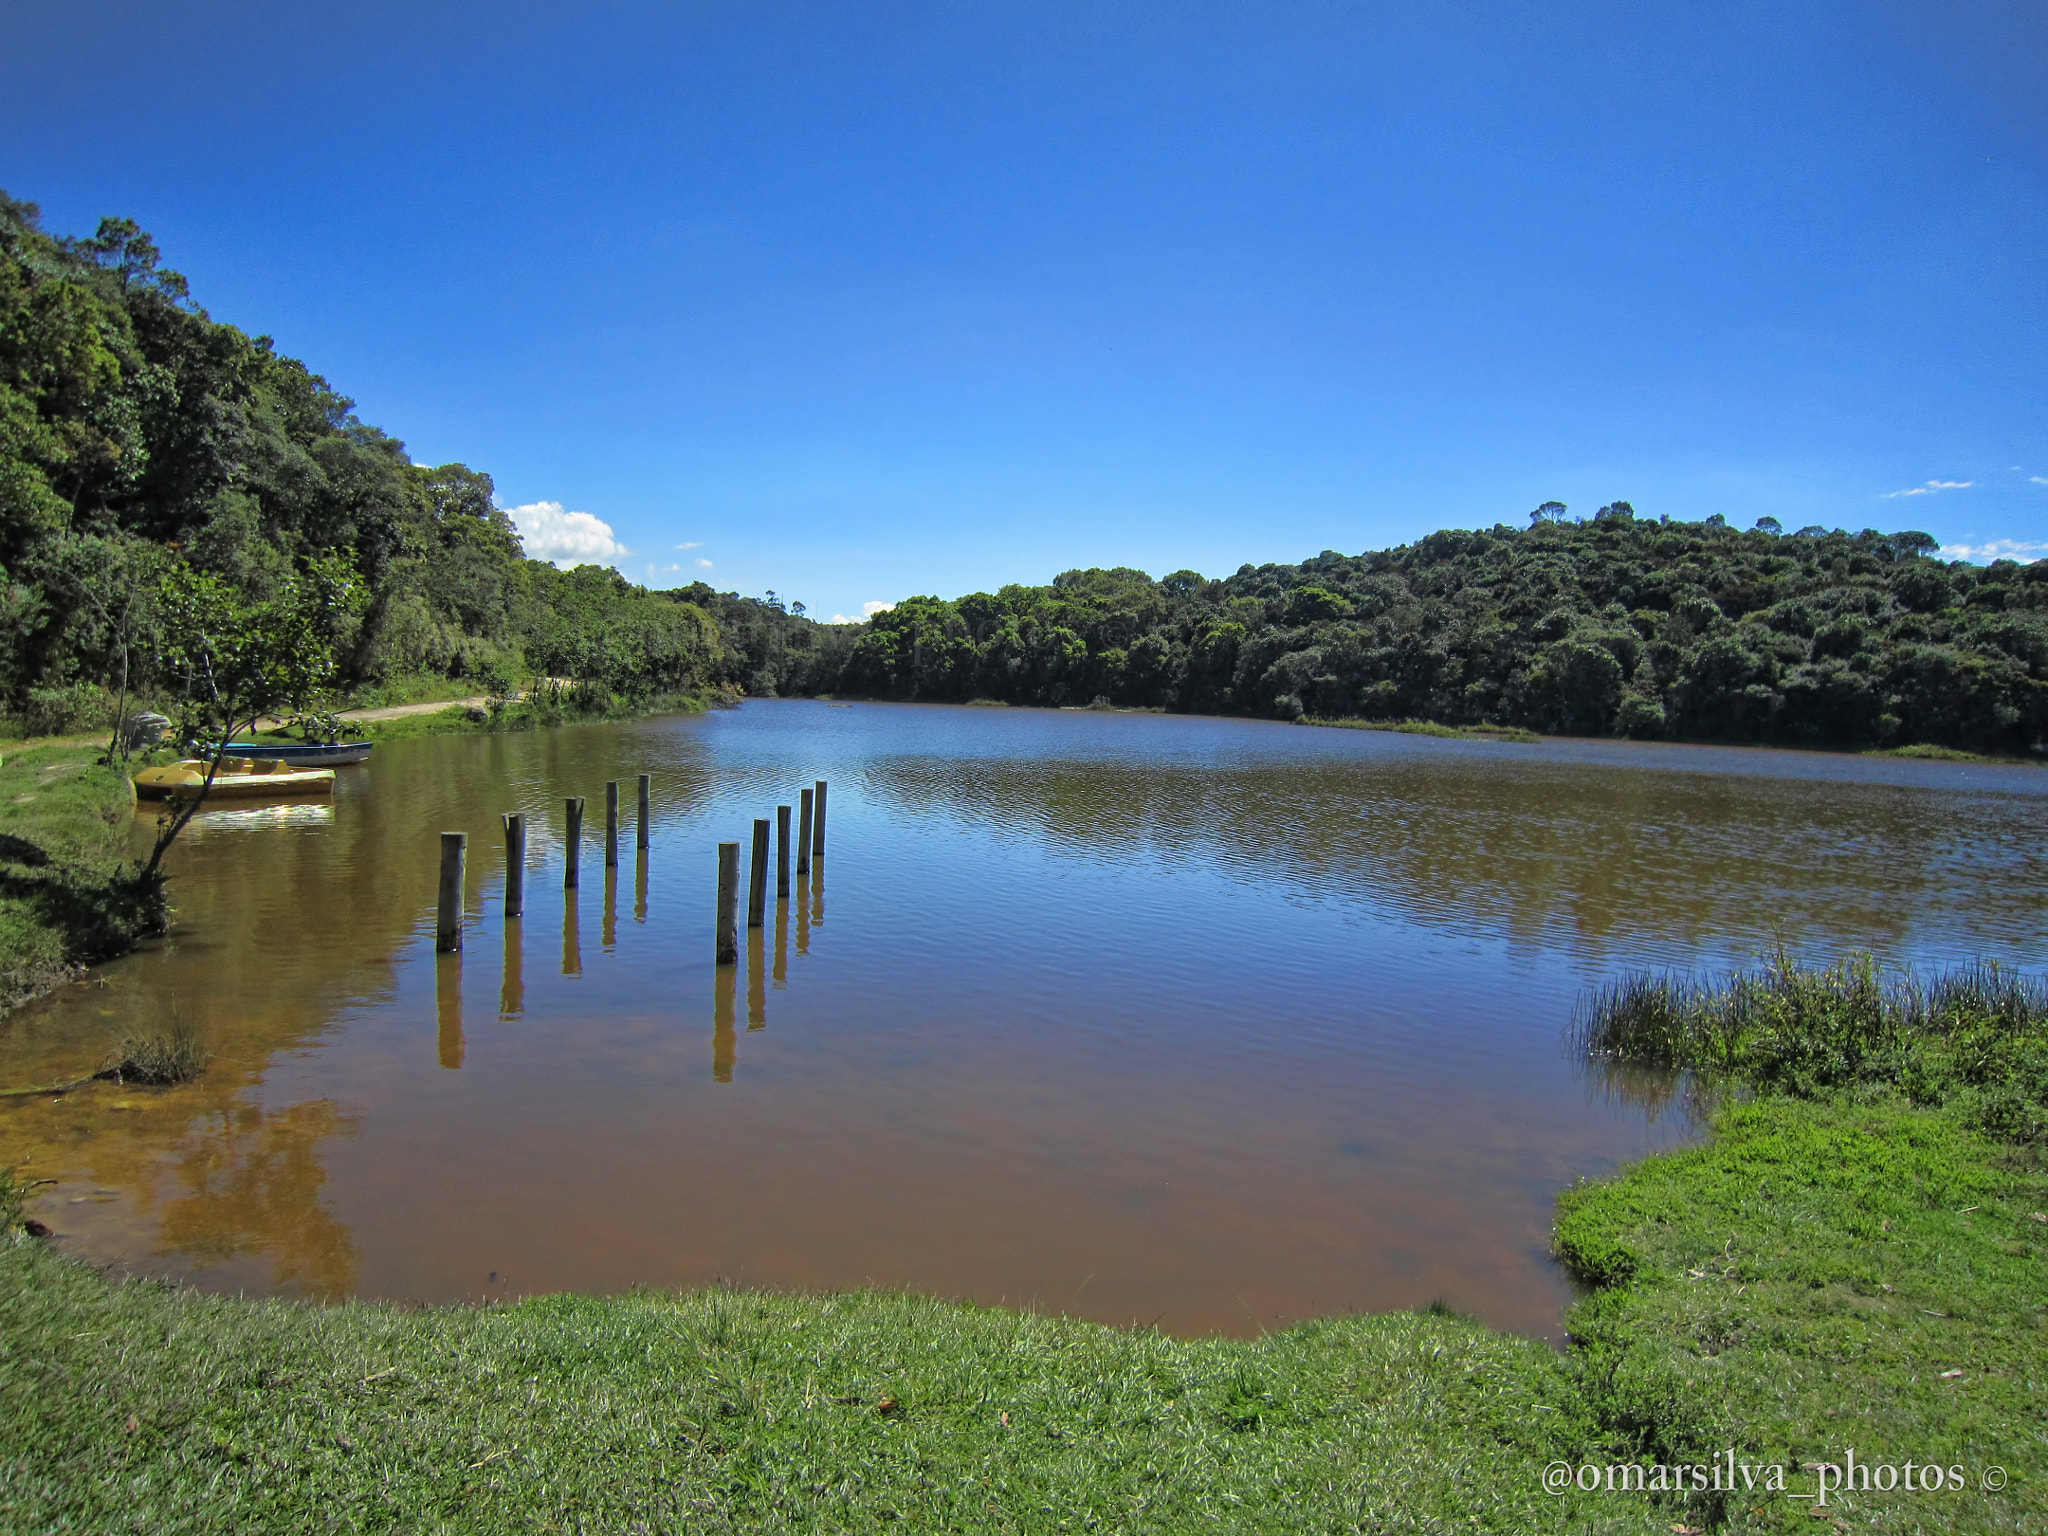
[238,778]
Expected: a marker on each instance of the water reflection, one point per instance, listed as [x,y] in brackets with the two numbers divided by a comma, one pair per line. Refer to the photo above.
[448,1007]
[757,981]
[244,818]
[251,1183]
[572,939]
[1465,836]
[724,1039]
[610,929]
[640,887]
[512,990]
[781,945]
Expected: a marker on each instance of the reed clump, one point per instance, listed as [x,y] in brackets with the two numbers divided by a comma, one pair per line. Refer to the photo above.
[161,1055]
[1977,1031]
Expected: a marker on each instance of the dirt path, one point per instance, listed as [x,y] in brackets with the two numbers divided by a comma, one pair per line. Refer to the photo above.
[399,711]
[392,711]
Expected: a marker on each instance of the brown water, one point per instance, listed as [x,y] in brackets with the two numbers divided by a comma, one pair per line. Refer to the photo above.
[1211,1023]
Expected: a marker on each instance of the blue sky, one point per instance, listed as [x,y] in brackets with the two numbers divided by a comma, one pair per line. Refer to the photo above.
[859,300]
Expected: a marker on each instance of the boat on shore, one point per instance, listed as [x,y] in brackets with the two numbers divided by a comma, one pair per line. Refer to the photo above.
[315,755]
[237,778]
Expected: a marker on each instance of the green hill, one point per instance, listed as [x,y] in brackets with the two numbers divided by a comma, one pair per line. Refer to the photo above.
[1616,625]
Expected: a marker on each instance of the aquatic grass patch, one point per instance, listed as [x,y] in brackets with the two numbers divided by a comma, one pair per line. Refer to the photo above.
[161,1055]
[134,1407]
[1975,1032]
[1427,728]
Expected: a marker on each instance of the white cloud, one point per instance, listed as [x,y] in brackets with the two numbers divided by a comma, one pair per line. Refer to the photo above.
[706,564]
[868,611]
[1930,488]
[565,538]
[693,544]
[1996,549]
[2039,479]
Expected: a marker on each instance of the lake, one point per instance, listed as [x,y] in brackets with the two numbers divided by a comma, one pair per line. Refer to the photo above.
[1213,1024]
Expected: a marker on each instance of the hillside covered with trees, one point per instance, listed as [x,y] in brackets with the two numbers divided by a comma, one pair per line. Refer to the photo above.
[1619,624]
[139,437]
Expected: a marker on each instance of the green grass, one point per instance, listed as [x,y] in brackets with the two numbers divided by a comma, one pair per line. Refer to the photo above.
[1935,754]
[1805,1284]
[1429,728]
[133,1407]
[1932,754]
[64,820]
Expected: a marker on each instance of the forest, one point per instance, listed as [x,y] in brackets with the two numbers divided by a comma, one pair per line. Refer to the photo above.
[140,439]
[1614,625]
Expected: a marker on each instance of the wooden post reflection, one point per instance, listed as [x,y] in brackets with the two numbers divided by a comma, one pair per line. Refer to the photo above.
[781,945]
[803,914]
[757,981]
[512,990]
[724,1042]
[640,887]
[610,929]
[572,938]
[448,1006]
[818,891]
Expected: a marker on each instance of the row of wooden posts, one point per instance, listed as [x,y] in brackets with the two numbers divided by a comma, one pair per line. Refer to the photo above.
[810,844]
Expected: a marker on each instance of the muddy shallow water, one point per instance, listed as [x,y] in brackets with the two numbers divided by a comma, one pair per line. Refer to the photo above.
[1212,1023]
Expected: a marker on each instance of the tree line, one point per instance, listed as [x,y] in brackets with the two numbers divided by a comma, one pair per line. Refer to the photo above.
[146,448]
[1614,625]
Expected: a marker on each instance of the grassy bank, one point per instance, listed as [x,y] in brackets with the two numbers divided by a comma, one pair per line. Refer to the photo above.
[64,820]
[1855,1261]
[136,1408]
[533,712]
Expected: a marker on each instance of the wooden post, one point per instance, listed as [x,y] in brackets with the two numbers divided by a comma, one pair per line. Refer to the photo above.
[757,875]
[818,824]
[728,903]
[448,928]
[575,842]
[611,824]
[782,853]
[515,864]
[640,827]
[803,833]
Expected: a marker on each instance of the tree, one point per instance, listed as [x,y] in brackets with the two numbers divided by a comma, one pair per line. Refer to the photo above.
[234,660]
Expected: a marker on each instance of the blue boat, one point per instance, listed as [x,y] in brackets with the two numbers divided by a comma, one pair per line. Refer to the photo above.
[331,755]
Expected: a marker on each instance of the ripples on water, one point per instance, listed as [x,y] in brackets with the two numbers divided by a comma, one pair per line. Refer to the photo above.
[1213,1023]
